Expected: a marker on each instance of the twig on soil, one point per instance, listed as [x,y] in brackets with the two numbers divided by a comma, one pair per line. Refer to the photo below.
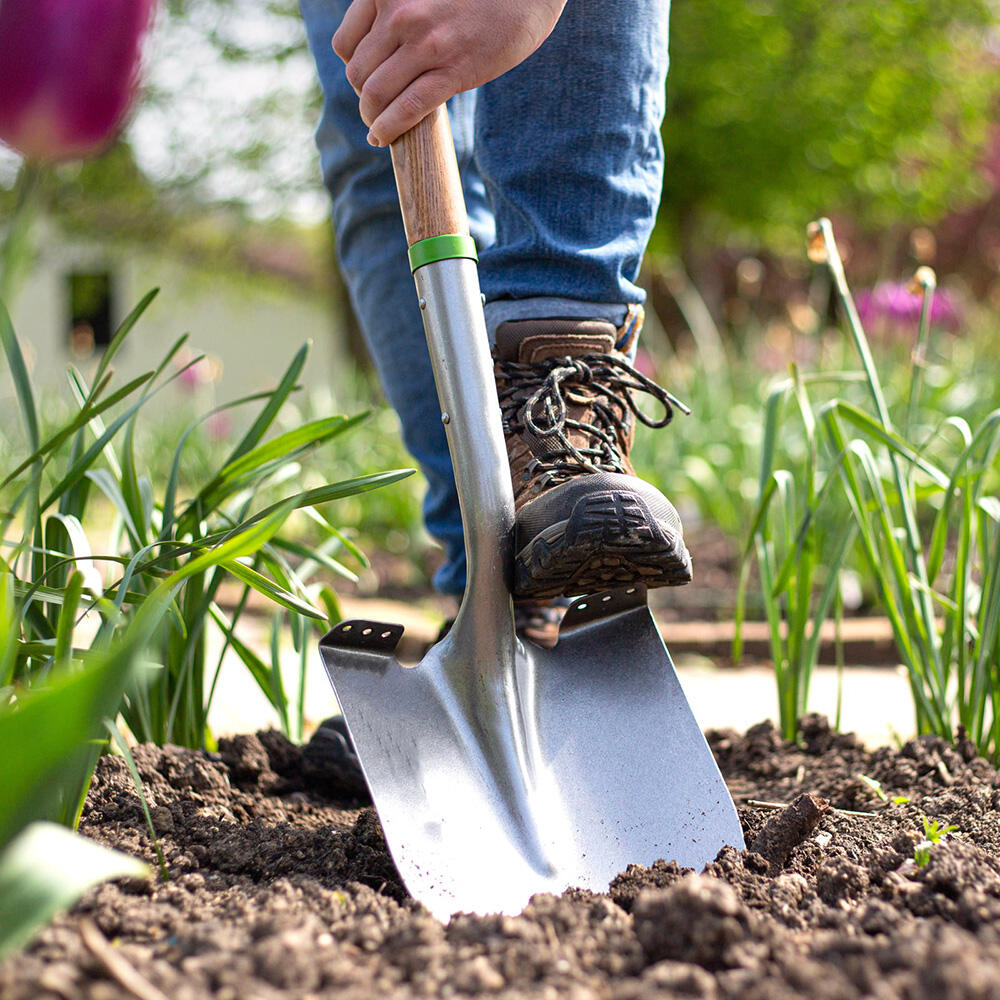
[116,965]
[758,804]
[782,833]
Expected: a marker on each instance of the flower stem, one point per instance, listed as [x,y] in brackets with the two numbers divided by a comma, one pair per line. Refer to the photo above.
[15,247]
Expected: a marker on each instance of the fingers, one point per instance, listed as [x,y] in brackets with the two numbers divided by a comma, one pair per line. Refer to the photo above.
[356,24]
[376,53]
[410,107]
[391,80]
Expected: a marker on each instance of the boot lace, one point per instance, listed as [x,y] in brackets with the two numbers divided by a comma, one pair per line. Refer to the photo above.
[533,401]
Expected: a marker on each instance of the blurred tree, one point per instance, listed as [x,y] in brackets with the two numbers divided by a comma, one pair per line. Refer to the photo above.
[230,106]
[782,109]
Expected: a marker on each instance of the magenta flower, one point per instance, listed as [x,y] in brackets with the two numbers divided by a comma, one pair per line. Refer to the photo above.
[68,72]
[890,307]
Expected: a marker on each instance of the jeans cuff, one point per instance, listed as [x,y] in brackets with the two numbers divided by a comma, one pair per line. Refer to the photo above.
[505,310]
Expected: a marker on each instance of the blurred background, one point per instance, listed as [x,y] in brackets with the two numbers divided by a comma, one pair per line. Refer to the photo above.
[882,116]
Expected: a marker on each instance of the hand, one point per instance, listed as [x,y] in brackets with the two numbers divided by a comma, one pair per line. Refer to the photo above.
[406,57]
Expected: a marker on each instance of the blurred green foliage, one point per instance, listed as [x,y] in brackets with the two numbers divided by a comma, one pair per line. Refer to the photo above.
[779,108]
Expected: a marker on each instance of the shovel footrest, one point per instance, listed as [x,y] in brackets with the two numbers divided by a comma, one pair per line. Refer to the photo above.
[357,633]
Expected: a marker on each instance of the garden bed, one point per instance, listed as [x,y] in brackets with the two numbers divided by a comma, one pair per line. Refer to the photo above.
[281,888]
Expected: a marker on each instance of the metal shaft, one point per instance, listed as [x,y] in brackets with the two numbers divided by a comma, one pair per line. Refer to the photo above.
[463,372]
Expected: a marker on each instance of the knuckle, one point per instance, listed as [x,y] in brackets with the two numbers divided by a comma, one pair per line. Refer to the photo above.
[410,16]
[355,77]
[412,105]
[373,99]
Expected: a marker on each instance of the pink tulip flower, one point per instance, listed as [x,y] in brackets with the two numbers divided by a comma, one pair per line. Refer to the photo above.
[68,73]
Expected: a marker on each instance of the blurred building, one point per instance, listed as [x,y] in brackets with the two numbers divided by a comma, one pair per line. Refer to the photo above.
[248,304]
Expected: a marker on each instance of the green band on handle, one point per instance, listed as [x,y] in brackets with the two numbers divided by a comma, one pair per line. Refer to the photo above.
[441,248]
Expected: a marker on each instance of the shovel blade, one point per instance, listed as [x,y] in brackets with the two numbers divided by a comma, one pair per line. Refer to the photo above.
[607,765]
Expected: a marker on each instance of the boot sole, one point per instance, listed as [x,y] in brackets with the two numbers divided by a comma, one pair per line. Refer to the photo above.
[611,539]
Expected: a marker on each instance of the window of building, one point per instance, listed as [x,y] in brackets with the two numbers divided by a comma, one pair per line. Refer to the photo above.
[90,312]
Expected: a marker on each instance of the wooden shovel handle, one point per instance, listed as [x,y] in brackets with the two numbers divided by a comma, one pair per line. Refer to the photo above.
[430,189]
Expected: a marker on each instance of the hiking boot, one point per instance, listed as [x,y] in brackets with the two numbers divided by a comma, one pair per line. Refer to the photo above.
[584,521]
[538,621]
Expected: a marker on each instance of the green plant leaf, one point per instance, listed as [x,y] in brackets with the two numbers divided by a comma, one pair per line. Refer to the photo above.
[122,332]
[45,730]
[270,589]
[254,465]
[45,870]
[268,681]
[89,411]
[19,372]
[277,399]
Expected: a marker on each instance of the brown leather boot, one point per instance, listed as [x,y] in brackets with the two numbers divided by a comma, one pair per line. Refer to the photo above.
[584,521]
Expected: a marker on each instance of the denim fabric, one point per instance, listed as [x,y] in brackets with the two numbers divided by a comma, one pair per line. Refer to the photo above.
[561,165]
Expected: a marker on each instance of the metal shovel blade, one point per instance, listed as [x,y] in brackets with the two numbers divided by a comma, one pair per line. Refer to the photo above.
[591,760]
[500,769]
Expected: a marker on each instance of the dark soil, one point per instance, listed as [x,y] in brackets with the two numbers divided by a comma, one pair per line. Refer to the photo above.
[279,889]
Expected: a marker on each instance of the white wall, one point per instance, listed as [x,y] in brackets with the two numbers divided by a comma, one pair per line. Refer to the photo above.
[253,327]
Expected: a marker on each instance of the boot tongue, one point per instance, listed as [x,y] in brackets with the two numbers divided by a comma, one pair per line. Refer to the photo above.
[533,340]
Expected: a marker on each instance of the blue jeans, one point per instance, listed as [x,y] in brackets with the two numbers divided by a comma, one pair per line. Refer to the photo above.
[562,167]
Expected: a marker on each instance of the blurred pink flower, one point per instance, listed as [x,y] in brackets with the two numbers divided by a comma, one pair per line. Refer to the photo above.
[219,426]
[891,307]
[68,72]
[194,371]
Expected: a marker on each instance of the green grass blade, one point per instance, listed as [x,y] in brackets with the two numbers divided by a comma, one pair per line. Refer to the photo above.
[277,453]
[112,489]
[9,628]
[271,590]
[315,555]
[67,619]
[893,441]
[41,734]
[262,674]
[276,400]
[122,746]
[122,332]
[45,870]
[22,382]
[173,479]
[81,419]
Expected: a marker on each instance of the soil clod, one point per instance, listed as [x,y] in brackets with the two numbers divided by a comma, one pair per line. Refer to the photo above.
[785,831]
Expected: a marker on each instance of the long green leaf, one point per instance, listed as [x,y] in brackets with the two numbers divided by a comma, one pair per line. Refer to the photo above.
[19,372]
[893,441]
[271,686]
[173,480]
[254,465]
[41,734]
[277,399]
[122,332]
[81,419]
[270,589]
[308,498]
[67,619]
[45,870]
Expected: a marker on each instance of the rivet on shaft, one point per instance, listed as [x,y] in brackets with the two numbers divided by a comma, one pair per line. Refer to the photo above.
[482,298]
[445,418]
[423,303]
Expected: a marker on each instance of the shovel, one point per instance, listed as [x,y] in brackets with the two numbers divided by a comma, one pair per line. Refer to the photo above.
[500,769]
